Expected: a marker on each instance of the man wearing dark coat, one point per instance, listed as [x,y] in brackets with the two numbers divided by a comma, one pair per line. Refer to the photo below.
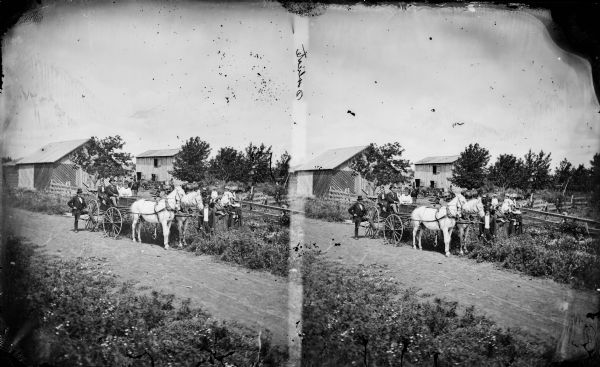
[392,198]
[111,192]
[358,212]
[77,205]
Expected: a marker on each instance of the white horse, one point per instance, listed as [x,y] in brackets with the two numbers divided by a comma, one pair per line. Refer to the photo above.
[435,219]
[162,212]
[471,207]
[191,200]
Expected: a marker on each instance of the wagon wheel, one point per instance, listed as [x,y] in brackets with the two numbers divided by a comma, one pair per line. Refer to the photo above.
[373,218]
[393,228]
[93,218]
[113,222]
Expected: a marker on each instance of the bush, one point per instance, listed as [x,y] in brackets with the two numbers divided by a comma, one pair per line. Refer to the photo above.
[332,211]
[544,252]
[359,316]
[254,247]
[38,201]
[85,316]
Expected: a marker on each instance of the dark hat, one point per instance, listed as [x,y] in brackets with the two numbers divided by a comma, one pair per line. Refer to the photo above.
[79,191]
[111,180]
[359,198]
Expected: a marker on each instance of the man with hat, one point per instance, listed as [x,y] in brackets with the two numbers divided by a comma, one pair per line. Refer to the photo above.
[358,212]
[111,192]
[77,205]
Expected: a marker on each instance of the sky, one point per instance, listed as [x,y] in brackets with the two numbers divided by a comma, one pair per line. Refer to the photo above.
[434,79]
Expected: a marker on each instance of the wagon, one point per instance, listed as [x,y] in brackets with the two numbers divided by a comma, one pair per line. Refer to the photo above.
[110,218]
[390,226]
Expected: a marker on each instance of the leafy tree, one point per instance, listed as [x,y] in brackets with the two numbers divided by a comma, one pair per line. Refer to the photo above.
[191,164]
[282,166]
[581,180]
[228,164]
[595,178]
[469,171]
[382,165]
[6,159]
[506,172]
[536,170]
[103,158]
[257,162]
[563,173]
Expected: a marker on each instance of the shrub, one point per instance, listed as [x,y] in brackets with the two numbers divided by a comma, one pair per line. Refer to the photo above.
[359,316]
[545,252]
[85,316]
[255,247]
[38,201]
[332,211]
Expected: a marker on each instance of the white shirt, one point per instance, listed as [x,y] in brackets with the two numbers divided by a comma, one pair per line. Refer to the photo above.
[214,196]
[494,202]
[405,199]
[507,206]
[227,198]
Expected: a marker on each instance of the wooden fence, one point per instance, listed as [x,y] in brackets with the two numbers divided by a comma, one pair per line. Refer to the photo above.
[574,202]
[341,196]
[592,226]
[59,188]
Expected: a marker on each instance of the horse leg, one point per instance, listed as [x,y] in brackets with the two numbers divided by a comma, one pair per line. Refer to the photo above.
[181,228]
[134,224]
[420,235]
[165,228]
[446,241]
[415,230]
[139,229]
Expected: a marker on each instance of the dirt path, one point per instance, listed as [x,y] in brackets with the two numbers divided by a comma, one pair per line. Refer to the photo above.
[539,306]
[254,299]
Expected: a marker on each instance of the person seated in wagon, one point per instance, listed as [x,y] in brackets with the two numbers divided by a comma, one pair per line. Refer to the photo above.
[392,199]
[111,192]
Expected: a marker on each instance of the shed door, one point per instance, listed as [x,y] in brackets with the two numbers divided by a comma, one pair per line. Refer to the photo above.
[26,176]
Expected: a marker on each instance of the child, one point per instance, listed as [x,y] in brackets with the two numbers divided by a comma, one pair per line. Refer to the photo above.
[77,205]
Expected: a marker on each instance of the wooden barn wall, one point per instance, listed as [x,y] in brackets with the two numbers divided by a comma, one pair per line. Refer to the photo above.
[11,176]
[145,165]
[344,181]
[424,172]
[321,182]
[65,174]
[42,173]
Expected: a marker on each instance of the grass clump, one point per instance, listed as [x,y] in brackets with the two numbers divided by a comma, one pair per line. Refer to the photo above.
[358,316]
[77,313]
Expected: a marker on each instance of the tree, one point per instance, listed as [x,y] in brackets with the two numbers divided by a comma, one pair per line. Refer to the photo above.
[282,166]
[563,173]
[191,163]
[382,165]
[506,172]
[469,171]
[595,178]
[6,159]
[257,162]
[536,170]
[581,180]
[102,158]
[228,164]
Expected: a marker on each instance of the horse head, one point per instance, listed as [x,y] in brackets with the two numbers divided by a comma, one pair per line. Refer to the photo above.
[173,200]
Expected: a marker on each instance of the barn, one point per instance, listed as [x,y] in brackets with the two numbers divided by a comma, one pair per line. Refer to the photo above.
[434,172]
[51,163]
[329,170]
[154,165]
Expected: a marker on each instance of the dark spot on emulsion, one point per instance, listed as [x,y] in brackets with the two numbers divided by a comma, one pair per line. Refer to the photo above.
[352,113]
[430,38]
[433,110]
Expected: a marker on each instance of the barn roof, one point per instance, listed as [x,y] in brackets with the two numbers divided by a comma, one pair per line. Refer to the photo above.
[158,153]
[331,159]
[439,159]
[53,152]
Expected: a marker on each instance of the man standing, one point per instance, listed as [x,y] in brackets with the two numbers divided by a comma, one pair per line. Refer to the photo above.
[77,205]
[358,212]
[135,186]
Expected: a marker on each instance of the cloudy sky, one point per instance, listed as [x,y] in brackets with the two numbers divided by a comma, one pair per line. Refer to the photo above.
[434,79]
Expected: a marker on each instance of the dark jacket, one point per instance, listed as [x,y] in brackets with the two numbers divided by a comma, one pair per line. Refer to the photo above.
[358,209]
[135,185]
[77,205]
[111,190]
[392,197]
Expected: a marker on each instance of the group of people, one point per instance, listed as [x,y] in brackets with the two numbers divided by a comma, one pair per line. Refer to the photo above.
[496,210]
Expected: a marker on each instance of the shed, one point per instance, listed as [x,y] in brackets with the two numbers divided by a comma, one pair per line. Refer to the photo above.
[155,165]
[329,170]
[51,163]
[435,171]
